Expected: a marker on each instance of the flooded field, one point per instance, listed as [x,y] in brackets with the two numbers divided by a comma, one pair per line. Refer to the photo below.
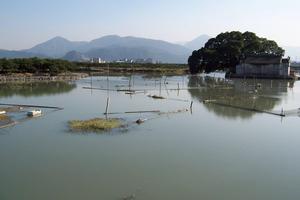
[239,140]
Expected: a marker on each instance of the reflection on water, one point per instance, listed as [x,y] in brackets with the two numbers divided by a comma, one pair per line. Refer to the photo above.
[35,88]
[249,93]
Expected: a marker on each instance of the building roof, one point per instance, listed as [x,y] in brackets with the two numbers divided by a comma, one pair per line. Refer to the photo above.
[263,60]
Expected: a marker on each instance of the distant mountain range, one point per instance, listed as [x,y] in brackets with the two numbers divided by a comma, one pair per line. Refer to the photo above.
[18,54]
[108,48]
[114,47]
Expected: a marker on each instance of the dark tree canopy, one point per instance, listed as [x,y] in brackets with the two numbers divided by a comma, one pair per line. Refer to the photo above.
[35,65]
[227,49]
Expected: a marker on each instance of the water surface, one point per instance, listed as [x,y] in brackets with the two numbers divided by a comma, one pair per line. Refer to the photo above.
[215,152]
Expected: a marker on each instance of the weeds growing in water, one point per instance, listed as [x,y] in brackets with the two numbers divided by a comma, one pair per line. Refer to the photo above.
[4,117]
[94,125]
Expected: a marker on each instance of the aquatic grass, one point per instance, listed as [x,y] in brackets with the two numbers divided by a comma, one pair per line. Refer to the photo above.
[94,125]
[3,117]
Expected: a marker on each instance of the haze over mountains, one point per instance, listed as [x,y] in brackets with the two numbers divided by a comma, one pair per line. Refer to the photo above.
[109,48]
[114,47]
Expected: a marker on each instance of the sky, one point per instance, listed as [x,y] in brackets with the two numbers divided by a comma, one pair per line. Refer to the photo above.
[25,23]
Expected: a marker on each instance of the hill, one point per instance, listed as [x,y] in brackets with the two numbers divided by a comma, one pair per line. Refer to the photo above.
[198,42]
[113,47]
[18,54]
[55,47]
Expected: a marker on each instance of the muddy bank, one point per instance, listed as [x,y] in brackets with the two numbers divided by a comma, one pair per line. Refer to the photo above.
[27,77]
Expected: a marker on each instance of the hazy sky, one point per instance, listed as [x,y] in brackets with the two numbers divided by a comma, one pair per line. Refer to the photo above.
[25,23]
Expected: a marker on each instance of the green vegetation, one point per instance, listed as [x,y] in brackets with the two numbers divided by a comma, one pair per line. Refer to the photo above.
[115,68]
[226,50]
[94,125]
[35,65]
[56,66]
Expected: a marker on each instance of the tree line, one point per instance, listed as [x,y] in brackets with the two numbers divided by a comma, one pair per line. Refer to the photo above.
[226,50]
[35,65]
[56,66]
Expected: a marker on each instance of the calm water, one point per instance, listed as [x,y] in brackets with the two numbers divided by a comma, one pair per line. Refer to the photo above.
[215,152]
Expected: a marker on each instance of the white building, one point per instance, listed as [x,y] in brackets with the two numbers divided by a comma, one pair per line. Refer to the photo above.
[97,60]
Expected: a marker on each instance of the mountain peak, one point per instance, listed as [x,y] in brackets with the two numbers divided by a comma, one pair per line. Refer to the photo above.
[198,42]
[55,47]
[58,38]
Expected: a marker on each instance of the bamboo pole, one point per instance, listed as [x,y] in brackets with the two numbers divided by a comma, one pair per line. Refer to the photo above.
[31,106]
[133,112]
[150,89]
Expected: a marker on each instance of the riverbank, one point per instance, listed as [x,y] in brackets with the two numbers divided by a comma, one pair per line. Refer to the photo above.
[28,77]
[133,68]
[36,70]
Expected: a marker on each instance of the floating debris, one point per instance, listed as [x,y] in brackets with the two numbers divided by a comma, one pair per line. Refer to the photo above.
[156,96]
[140,121]
[134,92]
[130,197]
[209,101]
[175,112]
[130,93]
[34,113]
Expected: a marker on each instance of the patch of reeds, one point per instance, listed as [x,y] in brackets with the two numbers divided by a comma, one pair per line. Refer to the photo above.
[3,117]
[94,125]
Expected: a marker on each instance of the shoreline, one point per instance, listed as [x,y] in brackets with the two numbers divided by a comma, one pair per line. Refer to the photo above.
[74,76]
[26,77]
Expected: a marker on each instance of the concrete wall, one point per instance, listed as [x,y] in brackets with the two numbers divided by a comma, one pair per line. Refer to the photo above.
[271,70]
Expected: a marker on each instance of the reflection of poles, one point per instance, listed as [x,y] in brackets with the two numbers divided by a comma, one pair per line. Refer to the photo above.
[160,87]
[253,103]
[91,84]
[129,83]
[166,86]
[106,109]
[107,101]
[282,114]
[271,83]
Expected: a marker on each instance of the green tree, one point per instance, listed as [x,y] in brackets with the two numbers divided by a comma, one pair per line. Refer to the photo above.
[227,49]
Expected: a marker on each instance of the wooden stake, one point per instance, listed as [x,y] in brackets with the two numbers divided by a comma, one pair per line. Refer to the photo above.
[191,106]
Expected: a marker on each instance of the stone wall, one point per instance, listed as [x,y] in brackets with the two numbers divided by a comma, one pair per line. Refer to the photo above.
[270,70]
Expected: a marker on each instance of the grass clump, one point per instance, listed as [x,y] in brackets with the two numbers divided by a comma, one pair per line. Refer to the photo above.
[3,117]
[94,125]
